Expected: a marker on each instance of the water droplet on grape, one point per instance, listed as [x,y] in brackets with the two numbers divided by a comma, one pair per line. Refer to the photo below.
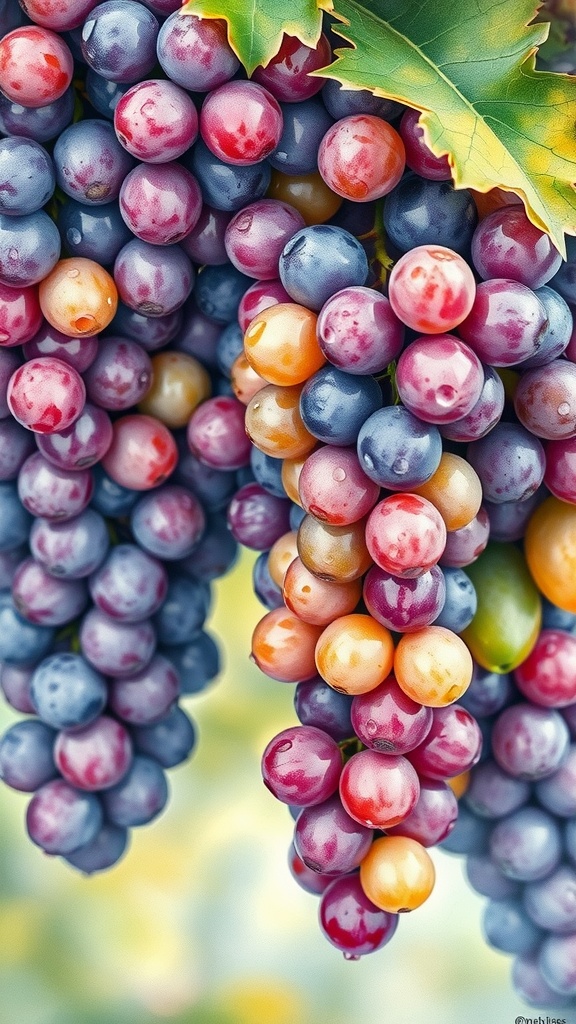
[351,956]
[368,461]
[339,474]
[371,727]
[284,747]
[73,236]
[445,394]
[564,409]
[400,466]
[74,272]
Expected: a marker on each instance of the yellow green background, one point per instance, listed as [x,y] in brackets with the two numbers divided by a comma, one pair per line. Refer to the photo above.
[202,923]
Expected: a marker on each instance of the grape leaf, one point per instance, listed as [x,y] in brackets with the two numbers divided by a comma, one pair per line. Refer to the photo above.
[256,27]
[470,69]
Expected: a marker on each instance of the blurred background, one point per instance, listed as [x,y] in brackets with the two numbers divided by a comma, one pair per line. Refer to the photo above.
[202,923]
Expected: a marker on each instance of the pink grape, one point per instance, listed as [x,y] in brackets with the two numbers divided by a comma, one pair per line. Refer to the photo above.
[431,289]
[46,395]
[241,123]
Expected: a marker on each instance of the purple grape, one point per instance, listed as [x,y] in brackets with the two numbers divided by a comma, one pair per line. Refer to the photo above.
[147,696]
[139,797]
[27,175]
[160,203]
[195,53]
[304,125]
[510,462]
[120,375]
[544,400]
[156,121]
[508,928]
[557,792]
[153,280]
[488,692]
[66,691]
[492,792]
[358,330]
[558,331]
[45,600]
[433,816]
[218,291]
[26,759]
[116,648]
[351,922]
[81,445]
[53,493]
[129,585]
[342,102]
[310,881]
[530,742]
[15,685]
[197,662]
[96,756]
[557,961]
[509,519]
[170,741]
[257,234]
[439,378]
[110,498]
[530,985]
[387,720]
[334,404]
[487,879]
[212,487]
[90,163]
[103,93]
[551,902]
[469,835]
[506,244]
[465,545]
[78,352]
[526,845]
[215,553]
[16,444]
[452,745]
[29,248]
[151,332]
[204,244]
[507,322]
[38,123]
[14,518]
[198,336]
[318,704]
[328,840]
[60,818]
[405,605]
[302,765]
[226,187]
[484,415]
[168,522]
[257,518]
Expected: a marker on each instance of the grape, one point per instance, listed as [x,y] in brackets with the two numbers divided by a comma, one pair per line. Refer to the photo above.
[226,186]
[401,604]
[36,66]
[169,741]
[60,818]
[397,449]
[44,599]
[333,488]
[257,518]
[433,816]
[439,379]
[423,212]
[506,244]
[351,922]
[29,249]
[302,765]
[510,462]
[94,232]
[24,191]
[38,123]
[526,845]
[431,289]
[106,849]
[308,193]
[530,985]
[386,720]
[116,648]
[119,40]
[493,793]
[90,163]
[129,585]
[419,157]
[304,124]
[46,394]
[156,121]
[143,452]
[283,646]
[26,759]
[241,123]
[320,260]
[316,600]
[148,696]
[83,444]
[354,653]
[78,298]
[506,927]
[197,662]
[194,52]
[153,281]
[79,351]
[405,535]
[309,880]
[361,157]
[67,693]
[161,202]
[139,797]
[544,400]
[184,609]
[328,840]
[530,742]
[397,874]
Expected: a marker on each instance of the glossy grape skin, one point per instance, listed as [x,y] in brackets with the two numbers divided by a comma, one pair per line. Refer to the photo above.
[348,162]
[316,600]
[129,585]
[320,260]
[156,121]
[433,816]
[398,874]
[274,423]
[304,124]
[280,344]
[29,249]
[351,922]
[15,521]
[302,765]
[283,646]
[26,760]
[136,27]
[90,163]
[79,298]
[225,186]
[405,535]
[216,436]
[506,324]
[241,122]
[257,518]
[46,395]
[550,547]
[452,745]
[334,489]
[120,375]
[455,490]
[218,291]
[53,493]
[506,593]
[257,234]
[287,74]
[423,212]
[20,317]
[36,66]
[460,604]
[60,818]
[433,666]
[94,232]
[308,193]
[419,157]
[439,379]
[67,692]
[179,384]
[506,244]
[308,880]
[530,742]
[328,840]
[194,52]
[358,331]
[143,452]
[27,174]
[378,790]
[216,551]
[168,522]
[431,289]
[354,653]
[160,203]
[526,845]
[116,648]
[510,462]
[544,400]
[153,281]
[335,404]
[464,546]
[268,592]
[404,605]
[546,677]
[140,795]
[397,449]
[334,553]
[388,721]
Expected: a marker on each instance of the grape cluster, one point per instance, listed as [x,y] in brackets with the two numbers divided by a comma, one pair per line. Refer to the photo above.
[201,347]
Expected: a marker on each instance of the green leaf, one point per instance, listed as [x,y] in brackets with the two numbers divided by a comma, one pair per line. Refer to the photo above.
[470,69]
[256,27]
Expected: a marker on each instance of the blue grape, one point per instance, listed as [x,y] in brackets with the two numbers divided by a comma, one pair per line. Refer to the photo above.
[67,692]
[530,985]
[224,186]
[218,291]
[230,344]
[558,331]
[103,93]
[110,498]
[213,487]
[139,797]
[183,611]
[526,845]
[151,332]
[15,521]
[39,123]
[493,793]
[564,280]
[320,260]
[21,642]
[216,552]
[194,52]
[60,818]
[106,848]
[334,405]
[461,601]
[72,549]
[510,462]
[556,618]
[423,212]
[557,961]
[129,585]
[169,741]
[304,126]
[267,471]
[119,40]
[487,879]
[90,163]
[488,692]
[318,704]
[297,514]
[197,662]
[343,102]
[551,902]
[198,336]
[508,928]
[29,248]
[168,522]
[398,450]
[26,758]
[469,835]
[265,588]
[93,232]
[16,444]
[27,176]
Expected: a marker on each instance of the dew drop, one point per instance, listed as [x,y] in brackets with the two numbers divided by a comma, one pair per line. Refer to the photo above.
[74,272]
[339,474]
[400,466]
[284,747]
[564,409]
[368,461]
[371,727]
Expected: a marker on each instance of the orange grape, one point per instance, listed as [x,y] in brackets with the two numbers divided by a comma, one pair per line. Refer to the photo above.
[281,344]
[397,874]
[245,381]
[307,193]
[274,423]
[78,297]
[455,490]
[315,600]
[283,646]
[281,555]
[355,653]
[550,550]
[433,666]
[334,553]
